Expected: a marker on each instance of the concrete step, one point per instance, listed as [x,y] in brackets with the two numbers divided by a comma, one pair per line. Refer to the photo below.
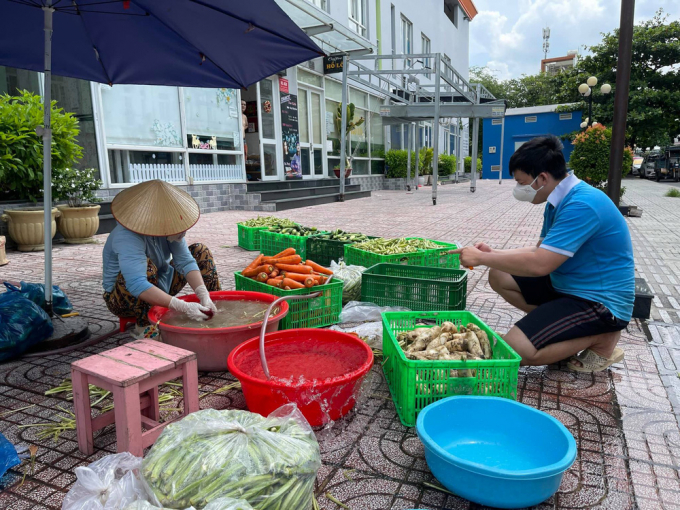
[260,186]
[272,196]
[296,203]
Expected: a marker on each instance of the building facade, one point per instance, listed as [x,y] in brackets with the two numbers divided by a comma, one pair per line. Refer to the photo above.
[521,125]
[555,65]
[193,137]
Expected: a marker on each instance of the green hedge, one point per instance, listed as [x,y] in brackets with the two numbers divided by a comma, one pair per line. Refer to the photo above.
[447,164]
[467,162]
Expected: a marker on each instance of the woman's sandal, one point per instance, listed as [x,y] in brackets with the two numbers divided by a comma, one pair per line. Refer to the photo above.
[593,362]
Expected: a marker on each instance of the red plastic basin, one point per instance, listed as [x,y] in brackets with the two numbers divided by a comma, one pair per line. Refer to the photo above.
[213,345]
[332,366]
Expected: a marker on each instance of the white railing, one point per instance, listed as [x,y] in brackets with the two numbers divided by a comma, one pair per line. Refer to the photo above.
[216,172]
[168,173]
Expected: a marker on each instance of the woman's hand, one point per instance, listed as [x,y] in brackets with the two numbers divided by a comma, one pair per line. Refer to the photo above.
[195,311]
[484,247]
[204,298]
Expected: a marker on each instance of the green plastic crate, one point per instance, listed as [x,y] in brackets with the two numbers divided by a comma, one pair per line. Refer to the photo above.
[272,243]
[249,237]
[414,287]
[441,257]
[415,384]
[324,251]
[316,312]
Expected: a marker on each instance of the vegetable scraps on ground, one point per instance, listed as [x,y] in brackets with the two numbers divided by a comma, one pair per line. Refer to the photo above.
[267,221]
[382,246]
[287,270]
[269,462]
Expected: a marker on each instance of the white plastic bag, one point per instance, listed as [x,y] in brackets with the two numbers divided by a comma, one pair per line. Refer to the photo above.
[217,504]
[357,311]
[351,278]
[110,483]
[369,332]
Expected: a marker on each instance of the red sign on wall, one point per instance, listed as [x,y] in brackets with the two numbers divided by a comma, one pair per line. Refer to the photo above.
[283,85]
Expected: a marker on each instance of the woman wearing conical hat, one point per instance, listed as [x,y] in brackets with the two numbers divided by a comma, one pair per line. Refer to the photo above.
[146,258]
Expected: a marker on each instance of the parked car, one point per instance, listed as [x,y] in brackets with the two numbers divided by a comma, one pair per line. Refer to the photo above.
[648,169]
[667,164]
[637,164]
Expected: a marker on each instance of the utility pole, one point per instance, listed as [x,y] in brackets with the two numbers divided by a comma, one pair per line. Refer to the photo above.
[546,42]
[623,66]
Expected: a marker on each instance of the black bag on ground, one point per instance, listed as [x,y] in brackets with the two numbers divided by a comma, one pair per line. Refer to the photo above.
[22,325]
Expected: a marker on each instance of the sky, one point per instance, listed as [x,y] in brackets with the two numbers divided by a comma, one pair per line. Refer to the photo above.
[507,35]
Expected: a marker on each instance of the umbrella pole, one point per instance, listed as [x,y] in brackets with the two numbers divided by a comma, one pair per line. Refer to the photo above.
[343,126]
[47,155]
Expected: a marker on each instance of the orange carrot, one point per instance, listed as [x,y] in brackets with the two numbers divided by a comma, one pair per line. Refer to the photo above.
[257,270]
[287,282]
[318,268]
[310,283]
[262,277]
[292,259]
[295,268]
[285,253]
[274,273]
[298,277]
[275,282]
[255,263]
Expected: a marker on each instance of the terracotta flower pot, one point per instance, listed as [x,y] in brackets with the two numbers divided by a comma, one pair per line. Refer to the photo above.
[27,227]
[348,172]
[78,224]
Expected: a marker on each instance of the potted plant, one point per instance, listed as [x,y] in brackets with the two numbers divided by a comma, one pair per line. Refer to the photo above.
[425,159]
[79,219]
[447,166]
[467,162]
[21,164]
[351,126]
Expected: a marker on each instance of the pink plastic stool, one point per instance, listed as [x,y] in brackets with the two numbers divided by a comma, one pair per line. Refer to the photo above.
[133,374]
[124,321]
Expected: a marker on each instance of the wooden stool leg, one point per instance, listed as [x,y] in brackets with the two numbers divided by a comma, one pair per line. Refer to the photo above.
[190,383]
[153,411]
[128,419]
[81,406]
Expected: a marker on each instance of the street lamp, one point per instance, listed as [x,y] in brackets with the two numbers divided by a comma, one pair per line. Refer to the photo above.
[586,90]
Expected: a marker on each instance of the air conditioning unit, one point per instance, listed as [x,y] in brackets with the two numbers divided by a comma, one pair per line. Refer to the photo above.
[495,168]
[496,122]
[530,118]
[565,116]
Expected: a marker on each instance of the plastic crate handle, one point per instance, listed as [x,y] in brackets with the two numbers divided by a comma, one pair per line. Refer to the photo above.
[263,330]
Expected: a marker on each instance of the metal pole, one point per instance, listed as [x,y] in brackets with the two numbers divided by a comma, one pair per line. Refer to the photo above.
[500,172]
[621,99]
[343,126]
[408,157]
[417,156]
[459,148]
[590,108]
[475,142]
[435,128]
[47,155]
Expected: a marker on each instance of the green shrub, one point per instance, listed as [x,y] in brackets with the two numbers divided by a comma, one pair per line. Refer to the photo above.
[673,192]
[21,154]
[590,158]
[425,160]
[467,163]
[396,163]
[447,164]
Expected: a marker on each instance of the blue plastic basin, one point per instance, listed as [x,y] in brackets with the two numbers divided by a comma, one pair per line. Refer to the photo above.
[494,451]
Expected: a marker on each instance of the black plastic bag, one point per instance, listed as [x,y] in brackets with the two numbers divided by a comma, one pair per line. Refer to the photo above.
[36,293]
[22,325]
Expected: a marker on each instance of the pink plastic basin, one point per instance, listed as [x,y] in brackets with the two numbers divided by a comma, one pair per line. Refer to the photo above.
[213,345]
[317,369]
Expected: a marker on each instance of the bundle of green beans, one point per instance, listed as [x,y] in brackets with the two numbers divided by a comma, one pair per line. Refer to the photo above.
[267,221]
[395,246]
[269,462]
[295,230]
[341,235]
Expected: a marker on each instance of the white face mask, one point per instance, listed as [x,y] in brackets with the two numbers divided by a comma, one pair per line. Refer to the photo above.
[525,192]
[176,238]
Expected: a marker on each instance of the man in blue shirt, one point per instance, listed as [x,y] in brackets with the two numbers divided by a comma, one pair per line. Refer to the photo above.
[577,285]
[146,258]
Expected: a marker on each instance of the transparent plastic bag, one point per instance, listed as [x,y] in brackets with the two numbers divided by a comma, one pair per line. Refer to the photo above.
[269,462]
[357,311]
[351,277]
[110,483]
[217,504]
[369,332]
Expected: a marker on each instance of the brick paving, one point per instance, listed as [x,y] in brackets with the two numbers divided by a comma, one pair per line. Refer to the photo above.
[625,420]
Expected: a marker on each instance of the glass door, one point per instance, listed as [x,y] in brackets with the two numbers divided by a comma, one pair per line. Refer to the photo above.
[310,120]
[269,112]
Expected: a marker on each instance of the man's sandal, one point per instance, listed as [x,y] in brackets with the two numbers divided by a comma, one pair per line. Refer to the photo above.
[593,362]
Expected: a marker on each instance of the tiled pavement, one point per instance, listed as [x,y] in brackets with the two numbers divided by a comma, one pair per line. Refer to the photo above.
[625,420]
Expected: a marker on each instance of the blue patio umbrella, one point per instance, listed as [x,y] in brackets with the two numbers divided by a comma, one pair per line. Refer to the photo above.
[187,43]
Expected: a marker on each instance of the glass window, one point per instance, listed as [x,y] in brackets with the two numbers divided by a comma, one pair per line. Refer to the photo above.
[406,38]
[321,4]
[13,80]
[425,45]
[377,166]
[359,98]
[267,109]
[358,139]
[333,90]
[310,78]
[361,167]
[316,118]
[139,166]
[303,116]
[375,103]
[357,16]
[377,136]
[212,118]
[332,132]
[142,115]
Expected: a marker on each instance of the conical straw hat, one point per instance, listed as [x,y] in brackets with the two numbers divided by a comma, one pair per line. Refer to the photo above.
[155,208]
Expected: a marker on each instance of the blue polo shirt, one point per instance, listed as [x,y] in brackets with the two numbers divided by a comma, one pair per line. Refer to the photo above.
[583,223]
